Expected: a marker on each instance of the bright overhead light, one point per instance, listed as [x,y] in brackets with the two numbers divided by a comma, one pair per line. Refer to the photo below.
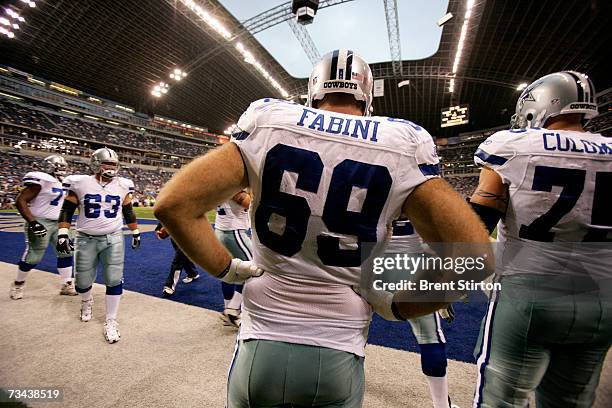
[521,86]
[460,44]
[445,19]
[246,54]
[12,13]
[250,59]
[208,19]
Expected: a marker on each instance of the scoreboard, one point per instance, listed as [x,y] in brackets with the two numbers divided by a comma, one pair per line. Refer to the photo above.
[455,115]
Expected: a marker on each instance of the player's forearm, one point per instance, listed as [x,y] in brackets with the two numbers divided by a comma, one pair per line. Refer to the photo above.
[199,187]
[66,213]
[129,216]
[24,210]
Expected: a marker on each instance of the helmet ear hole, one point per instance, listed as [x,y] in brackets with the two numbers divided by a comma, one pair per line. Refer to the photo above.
[529,116]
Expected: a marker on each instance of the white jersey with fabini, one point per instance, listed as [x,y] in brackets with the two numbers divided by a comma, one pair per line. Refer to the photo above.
[326,185]
[559,186]
[232,216]
[99,203]
[48,202]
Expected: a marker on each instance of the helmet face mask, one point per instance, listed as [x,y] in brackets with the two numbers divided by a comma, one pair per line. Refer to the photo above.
[55,165]
[104,162]
[341,71]
[560,93]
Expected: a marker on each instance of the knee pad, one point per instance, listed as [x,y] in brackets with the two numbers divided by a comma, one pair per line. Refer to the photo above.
[113,275]
[65,262]
[25,267]
[79,290]
[433,359]
[114,290]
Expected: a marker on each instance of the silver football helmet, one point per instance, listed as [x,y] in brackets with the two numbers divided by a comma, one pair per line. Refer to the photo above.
[552,95]
[105,162]
[341,71]
[55,165]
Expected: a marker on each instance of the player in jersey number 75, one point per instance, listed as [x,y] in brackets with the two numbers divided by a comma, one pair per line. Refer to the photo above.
[326,181]
[39,204]
[545,185]
[102,198]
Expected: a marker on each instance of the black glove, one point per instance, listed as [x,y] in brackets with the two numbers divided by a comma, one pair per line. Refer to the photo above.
[64,244]
[37,229]
[135,239]
[447,313]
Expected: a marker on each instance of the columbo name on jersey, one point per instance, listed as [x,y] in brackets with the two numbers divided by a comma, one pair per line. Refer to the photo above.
[556,142]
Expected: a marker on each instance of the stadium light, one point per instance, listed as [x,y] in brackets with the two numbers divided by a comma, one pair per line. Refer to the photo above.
[224,32]
[444,19]
[460,44]
[208,19]
[521,86]
[250,59]
[177,74]
[230,129]
[6,32]
[159,89]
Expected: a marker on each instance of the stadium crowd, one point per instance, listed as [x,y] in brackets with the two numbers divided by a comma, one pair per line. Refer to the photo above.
[14,166]
[464,185]
[89,130]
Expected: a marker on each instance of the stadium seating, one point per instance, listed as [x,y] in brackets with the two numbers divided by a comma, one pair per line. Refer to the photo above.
[64,125]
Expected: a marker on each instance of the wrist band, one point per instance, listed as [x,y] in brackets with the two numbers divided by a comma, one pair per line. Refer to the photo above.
[226,270]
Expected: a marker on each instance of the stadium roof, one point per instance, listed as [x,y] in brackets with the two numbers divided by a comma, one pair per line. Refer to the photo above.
[119,50]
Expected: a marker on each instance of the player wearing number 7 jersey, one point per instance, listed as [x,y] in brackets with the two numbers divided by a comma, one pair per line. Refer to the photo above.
[103,200]
[327,180]
[550,182]
[39,204]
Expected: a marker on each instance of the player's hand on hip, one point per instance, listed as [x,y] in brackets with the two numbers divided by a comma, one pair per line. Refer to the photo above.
[37,229]
[64,244]
[135,239]
[238,271]
[380,300]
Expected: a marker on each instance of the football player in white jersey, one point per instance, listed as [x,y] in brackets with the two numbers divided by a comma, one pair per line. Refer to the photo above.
[102,198]
[231,228]
[547,181]
[39,204]
[326,183]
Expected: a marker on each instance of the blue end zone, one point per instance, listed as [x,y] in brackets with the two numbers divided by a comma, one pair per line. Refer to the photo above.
[147,268]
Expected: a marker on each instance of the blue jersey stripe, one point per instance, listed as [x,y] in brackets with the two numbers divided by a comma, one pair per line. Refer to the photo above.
[429,169]
[490,158]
